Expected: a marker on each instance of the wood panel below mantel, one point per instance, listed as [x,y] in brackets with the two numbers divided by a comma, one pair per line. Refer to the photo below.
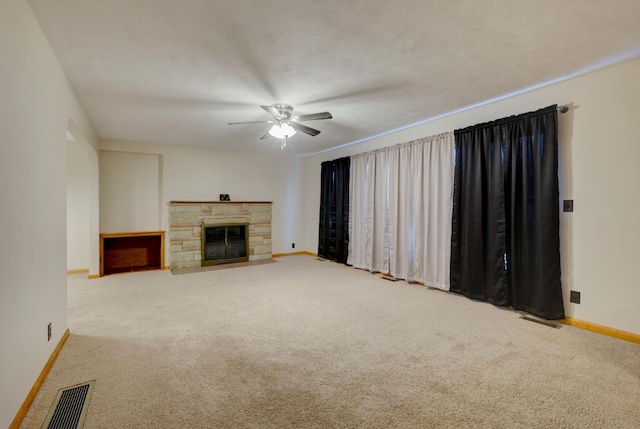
[131,251]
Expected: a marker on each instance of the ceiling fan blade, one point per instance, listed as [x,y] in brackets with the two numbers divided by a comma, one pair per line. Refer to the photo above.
[272,111]
[266,136]
[314,116]
[304,129]
[250,122]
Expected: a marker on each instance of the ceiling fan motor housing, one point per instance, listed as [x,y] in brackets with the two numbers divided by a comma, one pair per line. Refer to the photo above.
[284,110]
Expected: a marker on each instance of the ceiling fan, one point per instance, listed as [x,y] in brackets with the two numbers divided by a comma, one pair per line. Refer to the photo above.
[285,125]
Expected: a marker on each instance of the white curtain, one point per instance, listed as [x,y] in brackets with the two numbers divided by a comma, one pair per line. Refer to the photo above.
[361,213]
[380,219]
[369,212]
[400,210]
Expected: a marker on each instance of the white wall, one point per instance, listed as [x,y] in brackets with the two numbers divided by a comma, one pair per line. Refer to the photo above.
[77,207]
[599,169]
[199,174]
[37,103]
[130,192]
[92,249]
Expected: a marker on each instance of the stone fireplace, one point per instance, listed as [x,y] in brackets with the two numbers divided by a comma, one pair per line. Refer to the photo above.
[188,220]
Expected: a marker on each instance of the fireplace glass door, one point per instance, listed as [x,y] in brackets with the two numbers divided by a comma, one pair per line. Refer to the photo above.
[224,244]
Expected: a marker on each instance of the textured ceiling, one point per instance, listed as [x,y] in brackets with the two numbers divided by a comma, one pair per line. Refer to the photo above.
[170,71]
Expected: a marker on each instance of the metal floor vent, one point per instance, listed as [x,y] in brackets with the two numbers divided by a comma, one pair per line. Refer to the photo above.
[69,407]
[540,321]
[391,279]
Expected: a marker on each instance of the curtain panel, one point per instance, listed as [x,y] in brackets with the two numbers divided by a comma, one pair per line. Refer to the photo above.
[505,245]
[366,224]
[400,210]
[333,235]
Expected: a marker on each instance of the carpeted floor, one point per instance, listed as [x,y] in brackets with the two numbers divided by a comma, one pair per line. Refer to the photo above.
[308,344]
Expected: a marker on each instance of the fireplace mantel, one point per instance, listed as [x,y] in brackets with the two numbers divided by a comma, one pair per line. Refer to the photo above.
[219,202]
[186,219]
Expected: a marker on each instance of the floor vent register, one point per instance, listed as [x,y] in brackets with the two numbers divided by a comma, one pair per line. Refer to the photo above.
[69,407]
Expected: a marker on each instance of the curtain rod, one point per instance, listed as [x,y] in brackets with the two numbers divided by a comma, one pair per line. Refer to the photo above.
[563,109]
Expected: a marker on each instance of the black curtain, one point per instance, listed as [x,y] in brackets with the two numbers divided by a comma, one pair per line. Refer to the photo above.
[505,244]
[333,240]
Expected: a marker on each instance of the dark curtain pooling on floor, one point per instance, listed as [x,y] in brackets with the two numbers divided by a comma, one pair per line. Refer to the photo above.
[505,245]
[333,240]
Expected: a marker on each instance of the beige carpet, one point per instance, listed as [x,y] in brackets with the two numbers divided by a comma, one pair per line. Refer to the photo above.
[308,344]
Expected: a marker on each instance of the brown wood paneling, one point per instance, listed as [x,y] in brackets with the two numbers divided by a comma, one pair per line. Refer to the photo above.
[126,252]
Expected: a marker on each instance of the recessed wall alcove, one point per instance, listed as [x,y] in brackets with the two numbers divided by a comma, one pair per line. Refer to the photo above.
[188,220]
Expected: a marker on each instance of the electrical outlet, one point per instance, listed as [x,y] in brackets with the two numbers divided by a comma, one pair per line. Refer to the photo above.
[293,245]
[49,332]
[574,296]
[567,206]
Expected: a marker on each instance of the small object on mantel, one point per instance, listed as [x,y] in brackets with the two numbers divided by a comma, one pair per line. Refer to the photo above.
[224,197]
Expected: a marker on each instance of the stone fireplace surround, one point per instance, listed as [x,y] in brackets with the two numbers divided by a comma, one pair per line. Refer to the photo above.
[187,217]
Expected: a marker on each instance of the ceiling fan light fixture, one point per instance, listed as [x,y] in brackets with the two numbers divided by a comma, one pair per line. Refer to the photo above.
[285,125]
[282,130]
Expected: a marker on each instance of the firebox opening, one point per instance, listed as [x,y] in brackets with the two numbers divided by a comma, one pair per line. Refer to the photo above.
[223,244]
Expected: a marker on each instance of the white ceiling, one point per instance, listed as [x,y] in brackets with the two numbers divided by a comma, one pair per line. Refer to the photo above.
[170,71]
